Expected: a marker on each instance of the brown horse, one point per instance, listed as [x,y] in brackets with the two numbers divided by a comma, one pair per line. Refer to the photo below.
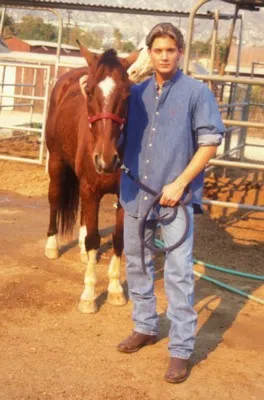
[82,133]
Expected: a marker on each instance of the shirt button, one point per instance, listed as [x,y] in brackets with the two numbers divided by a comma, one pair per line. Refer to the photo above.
[157,97]
[145,177]
[150,145]
[145,197]
[153,129]
[157,113]
[147,161]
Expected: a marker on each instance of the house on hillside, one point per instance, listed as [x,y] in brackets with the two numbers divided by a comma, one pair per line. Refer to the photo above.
[21,78]
[249,55]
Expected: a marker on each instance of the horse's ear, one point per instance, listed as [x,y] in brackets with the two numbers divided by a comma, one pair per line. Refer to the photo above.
[83,82]
[129,60]
[89,56]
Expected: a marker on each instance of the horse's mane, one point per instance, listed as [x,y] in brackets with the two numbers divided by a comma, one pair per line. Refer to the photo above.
[109,58]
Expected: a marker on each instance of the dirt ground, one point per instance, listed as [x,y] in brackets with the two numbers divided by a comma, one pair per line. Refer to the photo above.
[50,351]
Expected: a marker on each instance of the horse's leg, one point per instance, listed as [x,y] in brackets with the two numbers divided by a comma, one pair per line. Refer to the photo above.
[115,291]
[82,236]
[90,207]
[56,166]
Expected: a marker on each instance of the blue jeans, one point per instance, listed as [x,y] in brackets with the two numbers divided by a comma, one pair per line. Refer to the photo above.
[178,281]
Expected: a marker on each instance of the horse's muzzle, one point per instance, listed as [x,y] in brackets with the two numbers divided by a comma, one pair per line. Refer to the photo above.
[104,167]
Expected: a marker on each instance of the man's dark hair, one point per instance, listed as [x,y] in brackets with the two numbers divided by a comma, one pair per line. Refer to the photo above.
[165,29]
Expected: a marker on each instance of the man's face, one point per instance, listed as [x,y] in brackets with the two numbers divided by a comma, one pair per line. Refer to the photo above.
[165,56]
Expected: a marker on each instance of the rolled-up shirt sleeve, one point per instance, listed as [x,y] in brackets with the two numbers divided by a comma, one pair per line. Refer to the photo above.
[207,123]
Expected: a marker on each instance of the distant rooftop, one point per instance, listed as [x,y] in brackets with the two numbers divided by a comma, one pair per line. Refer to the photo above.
[45,59]
[83,5]
[249,55]
[3,48]
[247,4]
[66,3]
[49,44]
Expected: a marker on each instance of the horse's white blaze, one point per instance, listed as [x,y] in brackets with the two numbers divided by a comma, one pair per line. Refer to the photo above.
[114,275]
[82,235]
[52,242]
[90,277]
[107,86]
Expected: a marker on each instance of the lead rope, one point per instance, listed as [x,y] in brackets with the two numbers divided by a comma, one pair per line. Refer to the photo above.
[145,243]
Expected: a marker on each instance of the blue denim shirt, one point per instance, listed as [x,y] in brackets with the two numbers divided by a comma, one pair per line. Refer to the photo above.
[162,134]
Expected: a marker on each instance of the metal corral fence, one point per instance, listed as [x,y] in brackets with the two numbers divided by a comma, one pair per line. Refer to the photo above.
[241,124]
[27,97]
[236,111]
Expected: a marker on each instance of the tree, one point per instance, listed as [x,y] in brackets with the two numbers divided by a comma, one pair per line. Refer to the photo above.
[35,28]
[128,46]
[200,48]
[9,26]
[203,49]
[117,39]
[222,48]
[87,38]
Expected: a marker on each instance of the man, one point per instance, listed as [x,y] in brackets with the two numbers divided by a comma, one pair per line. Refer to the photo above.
[173,130]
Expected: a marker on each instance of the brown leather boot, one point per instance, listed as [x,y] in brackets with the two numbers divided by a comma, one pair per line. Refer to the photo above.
[135,342]
[177,370]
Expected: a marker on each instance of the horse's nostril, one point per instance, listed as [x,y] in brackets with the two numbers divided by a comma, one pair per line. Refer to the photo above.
[110,165]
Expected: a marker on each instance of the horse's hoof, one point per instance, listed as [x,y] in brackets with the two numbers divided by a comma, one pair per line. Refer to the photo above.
[87,307]
[84,258]
[116,298]
[52,254]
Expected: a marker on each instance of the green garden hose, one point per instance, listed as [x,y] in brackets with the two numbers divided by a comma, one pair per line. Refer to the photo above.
[160,244]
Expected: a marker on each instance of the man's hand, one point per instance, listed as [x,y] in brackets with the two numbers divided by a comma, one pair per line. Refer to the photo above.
[172,193]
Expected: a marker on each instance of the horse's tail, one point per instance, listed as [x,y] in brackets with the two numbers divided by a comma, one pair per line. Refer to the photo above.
[69,200]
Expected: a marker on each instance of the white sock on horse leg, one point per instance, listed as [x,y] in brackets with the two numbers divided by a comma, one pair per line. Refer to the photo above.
[115,290]
[87,302]
[51,249]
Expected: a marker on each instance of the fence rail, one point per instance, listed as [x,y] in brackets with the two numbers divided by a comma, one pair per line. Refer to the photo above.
[32,98]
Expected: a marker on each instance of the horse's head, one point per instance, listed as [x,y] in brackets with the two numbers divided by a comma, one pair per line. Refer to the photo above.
[142,68]
[106,90]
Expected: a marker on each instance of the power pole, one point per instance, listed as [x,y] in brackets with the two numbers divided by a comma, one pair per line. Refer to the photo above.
[2,21]
[68,25]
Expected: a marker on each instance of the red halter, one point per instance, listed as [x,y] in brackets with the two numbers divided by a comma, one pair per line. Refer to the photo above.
[107,115]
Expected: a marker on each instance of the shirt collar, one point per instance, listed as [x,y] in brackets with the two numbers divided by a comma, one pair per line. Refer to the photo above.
[173,79]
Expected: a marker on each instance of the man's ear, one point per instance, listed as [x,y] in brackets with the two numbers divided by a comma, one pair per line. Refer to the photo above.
[89,56]
[129,60]
[181,60]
